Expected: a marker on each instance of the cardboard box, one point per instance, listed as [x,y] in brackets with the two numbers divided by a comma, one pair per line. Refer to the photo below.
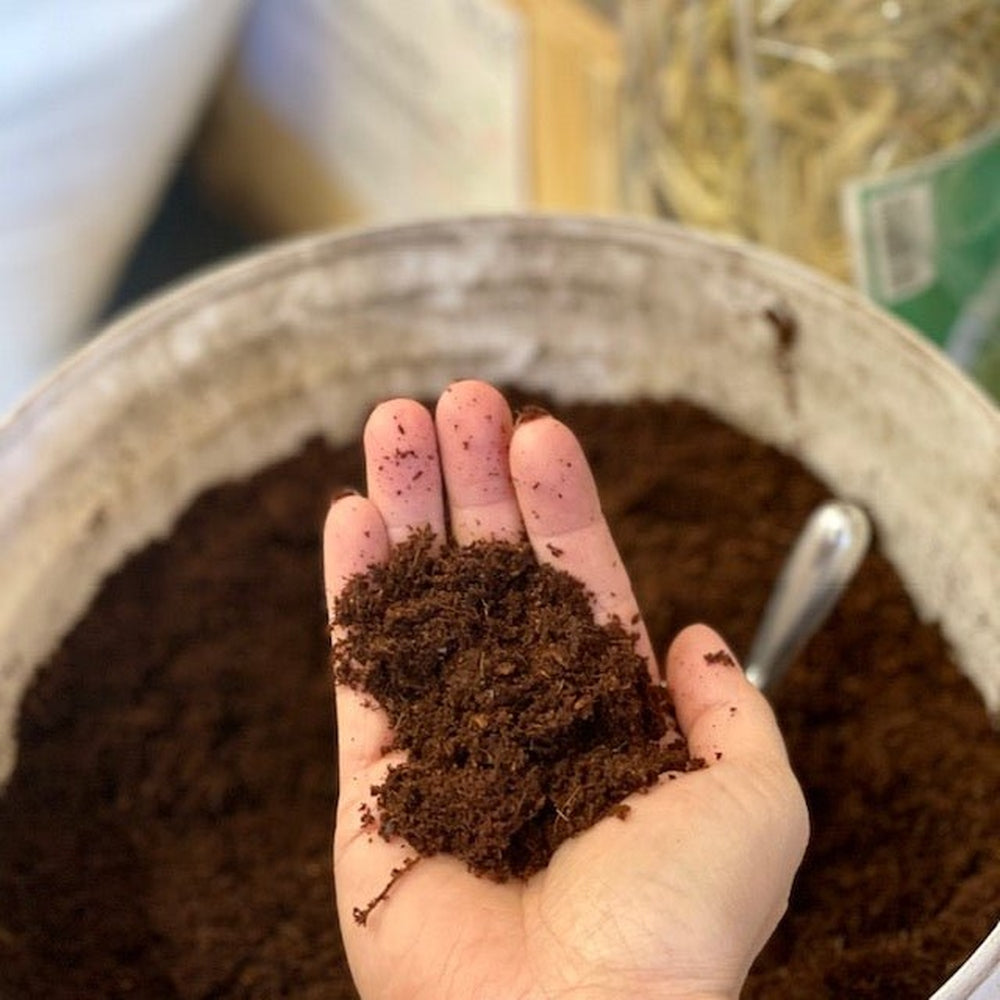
[347,111]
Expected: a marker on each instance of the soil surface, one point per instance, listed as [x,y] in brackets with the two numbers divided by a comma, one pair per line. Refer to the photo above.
[167,830]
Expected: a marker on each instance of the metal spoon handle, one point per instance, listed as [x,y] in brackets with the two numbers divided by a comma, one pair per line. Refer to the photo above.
[821,564]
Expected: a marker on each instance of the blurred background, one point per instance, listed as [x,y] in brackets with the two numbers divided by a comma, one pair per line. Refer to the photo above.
[142,141]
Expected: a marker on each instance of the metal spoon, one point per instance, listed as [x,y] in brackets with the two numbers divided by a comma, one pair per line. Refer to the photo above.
[822,562]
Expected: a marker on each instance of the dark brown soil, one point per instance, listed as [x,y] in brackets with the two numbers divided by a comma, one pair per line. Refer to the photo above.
[166,832]
[524,721]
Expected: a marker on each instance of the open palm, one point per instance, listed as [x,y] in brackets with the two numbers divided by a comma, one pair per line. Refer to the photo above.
[674,901]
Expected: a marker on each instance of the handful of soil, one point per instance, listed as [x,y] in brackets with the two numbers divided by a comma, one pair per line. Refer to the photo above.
[524,720]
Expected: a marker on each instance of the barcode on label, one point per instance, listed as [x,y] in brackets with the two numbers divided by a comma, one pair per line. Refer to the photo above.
[901,224]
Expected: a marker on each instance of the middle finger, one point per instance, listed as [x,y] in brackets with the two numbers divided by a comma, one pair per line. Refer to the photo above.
[474,427]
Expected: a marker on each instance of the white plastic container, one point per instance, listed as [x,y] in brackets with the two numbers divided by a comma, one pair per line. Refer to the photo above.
[235,369]
[97,98]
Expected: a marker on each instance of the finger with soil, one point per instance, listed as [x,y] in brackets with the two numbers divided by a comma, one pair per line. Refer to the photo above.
[723,716]
[354,539]
[402,468]
[565,524]
[474,426]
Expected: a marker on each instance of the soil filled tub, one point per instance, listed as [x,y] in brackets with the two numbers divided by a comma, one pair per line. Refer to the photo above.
[165,829]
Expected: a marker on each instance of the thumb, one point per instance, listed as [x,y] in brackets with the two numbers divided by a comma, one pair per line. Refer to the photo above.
[720,712]
[729,724]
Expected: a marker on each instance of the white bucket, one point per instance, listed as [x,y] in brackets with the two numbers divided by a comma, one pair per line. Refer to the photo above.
[96,102]
[237,368]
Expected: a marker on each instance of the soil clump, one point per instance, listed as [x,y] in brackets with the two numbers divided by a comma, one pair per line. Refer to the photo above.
[523,720]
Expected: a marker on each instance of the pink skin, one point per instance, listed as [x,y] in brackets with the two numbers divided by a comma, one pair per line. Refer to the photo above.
[677,900]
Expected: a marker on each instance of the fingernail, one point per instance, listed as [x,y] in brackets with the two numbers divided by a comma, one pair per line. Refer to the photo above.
[345,491]
[530,412]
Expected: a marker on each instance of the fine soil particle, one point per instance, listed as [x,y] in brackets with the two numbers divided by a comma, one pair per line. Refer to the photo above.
[720,656]
[524,720]
[167,830]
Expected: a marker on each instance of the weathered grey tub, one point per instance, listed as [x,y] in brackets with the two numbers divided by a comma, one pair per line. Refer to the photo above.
[226,373]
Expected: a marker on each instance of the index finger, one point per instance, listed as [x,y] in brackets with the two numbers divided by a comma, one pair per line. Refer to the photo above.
[564,521]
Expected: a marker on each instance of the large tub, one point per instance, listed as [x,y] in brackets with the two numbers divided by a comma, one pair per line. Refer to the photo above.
[235,369]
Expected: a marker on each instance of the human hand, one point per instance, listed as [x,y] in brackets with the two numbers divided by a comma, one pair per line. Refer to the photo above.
[673,902]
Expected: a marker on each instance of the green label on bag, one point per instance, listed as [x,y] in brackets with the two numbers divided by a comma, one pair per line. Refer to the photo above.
[926,245]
